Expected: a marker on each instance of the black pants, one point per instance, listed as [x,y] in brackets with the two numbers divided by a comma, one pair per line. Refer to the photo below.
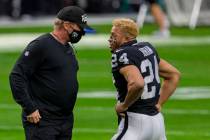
[48,129]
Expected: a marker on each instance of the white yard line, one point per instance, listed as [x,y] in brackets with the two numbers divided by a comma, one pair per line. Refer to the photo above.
[104,109]
[165,111]
[182,93]
[108,130]
[14,42]
[187,111]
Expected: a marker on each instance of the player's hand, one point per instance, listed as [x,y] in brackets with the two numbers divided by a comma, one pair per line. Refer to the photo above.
[158,106]
[34,117]
[120,109]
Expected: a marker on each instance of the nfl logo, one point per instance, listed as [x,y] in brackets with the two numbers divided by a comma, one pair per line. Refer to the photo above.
[26,53]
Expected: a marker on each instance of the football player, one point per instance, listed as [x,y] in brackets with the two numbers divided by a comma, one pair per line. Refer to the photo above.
[136,69]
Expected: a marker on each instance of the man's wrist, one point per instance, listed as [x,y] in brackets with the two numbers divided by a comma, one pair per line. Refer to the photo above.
[125,106]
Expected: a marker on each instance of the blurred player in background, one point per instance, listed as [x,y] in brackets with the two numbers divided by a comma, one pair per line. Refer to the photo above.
[136,69]
[159,17]
[44,78]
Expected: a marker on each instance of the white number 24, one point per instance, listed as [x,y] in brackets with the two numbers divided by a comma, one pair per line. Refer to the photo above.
[153,75]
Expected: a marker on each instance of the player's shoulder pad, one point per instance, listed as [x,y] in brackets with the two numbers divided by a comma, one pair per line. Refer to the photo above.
[118,50]
[142,44]
[145,44]
[130,50]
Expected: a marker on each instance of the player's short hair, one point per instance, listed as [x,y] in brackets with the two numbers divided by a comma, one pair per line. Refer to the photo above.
[58,23]
[127,26]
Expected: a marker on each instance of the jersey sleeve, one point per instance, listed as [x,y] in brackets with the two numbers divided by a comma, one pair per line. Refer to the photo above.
[24,68]
[123,58]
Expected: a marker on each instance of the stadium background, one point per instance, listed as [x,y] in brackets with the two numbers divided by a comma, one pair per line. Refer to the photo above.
[186,114]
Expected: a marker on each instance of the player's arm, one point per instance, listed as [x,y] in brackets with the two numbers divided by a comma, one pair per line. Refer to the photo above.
[135,87]
[171,78]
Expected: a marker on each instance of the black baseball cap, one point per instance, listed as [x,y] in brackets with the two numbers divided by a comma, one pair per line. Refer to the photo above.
[76,15]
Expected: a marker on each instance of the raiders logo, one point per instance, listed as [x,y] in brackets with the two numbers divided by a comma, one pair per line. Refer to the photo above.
[84,18]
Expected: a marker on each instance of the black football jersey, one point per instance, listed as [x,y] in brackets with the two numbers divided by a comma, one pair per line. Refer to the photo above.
[144,56]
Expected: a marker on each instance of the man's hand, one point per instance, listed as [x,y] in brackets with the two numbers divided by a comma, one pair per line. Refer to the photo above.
[34,117]
[120,109]
[158,106]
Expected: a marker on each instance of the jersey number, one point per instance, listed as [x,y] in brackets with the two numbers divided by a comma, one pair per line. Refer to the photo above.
[149,88]
[123,59]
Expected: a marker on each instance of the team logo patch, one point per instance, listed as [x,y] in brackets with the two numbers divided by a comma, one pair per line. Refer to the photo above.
[84,18]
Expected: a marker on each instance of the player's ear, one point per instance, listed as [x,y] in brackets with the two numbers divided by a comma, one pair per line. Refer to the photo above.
[66,25]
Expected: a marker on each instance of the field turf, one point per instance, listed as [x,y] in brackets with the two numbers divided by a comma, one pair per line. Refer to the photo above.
[95,118]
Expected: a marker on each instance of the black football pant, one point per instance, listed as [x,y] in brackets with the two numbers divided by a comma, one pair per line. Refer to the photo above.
[49,130]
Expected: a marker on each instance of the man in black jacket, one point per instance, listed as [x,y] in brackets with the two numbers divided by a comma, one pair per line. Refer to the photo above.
[44,78]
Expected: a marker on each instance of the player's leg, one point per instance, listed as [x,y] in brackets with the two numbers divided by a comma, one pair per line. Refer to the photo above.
[158,15]
[66,130]
[46,129]
[134,127]
[37,132]
[137,126]
[122,128]
[152,128]
[66,136]
[162,128]
[128,128]
[160,19]
[144,127]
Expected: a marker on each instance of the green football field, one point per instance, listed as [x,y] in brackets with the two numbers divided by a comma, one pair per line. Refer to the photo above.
[186,118]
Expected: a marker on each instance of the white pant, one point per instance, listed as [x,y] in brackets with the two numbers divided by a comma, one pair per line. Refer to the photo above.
[137,126]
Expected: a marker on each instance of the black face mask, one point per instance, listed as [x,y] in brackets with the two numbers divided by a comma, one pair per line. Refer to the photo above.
[75,36]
